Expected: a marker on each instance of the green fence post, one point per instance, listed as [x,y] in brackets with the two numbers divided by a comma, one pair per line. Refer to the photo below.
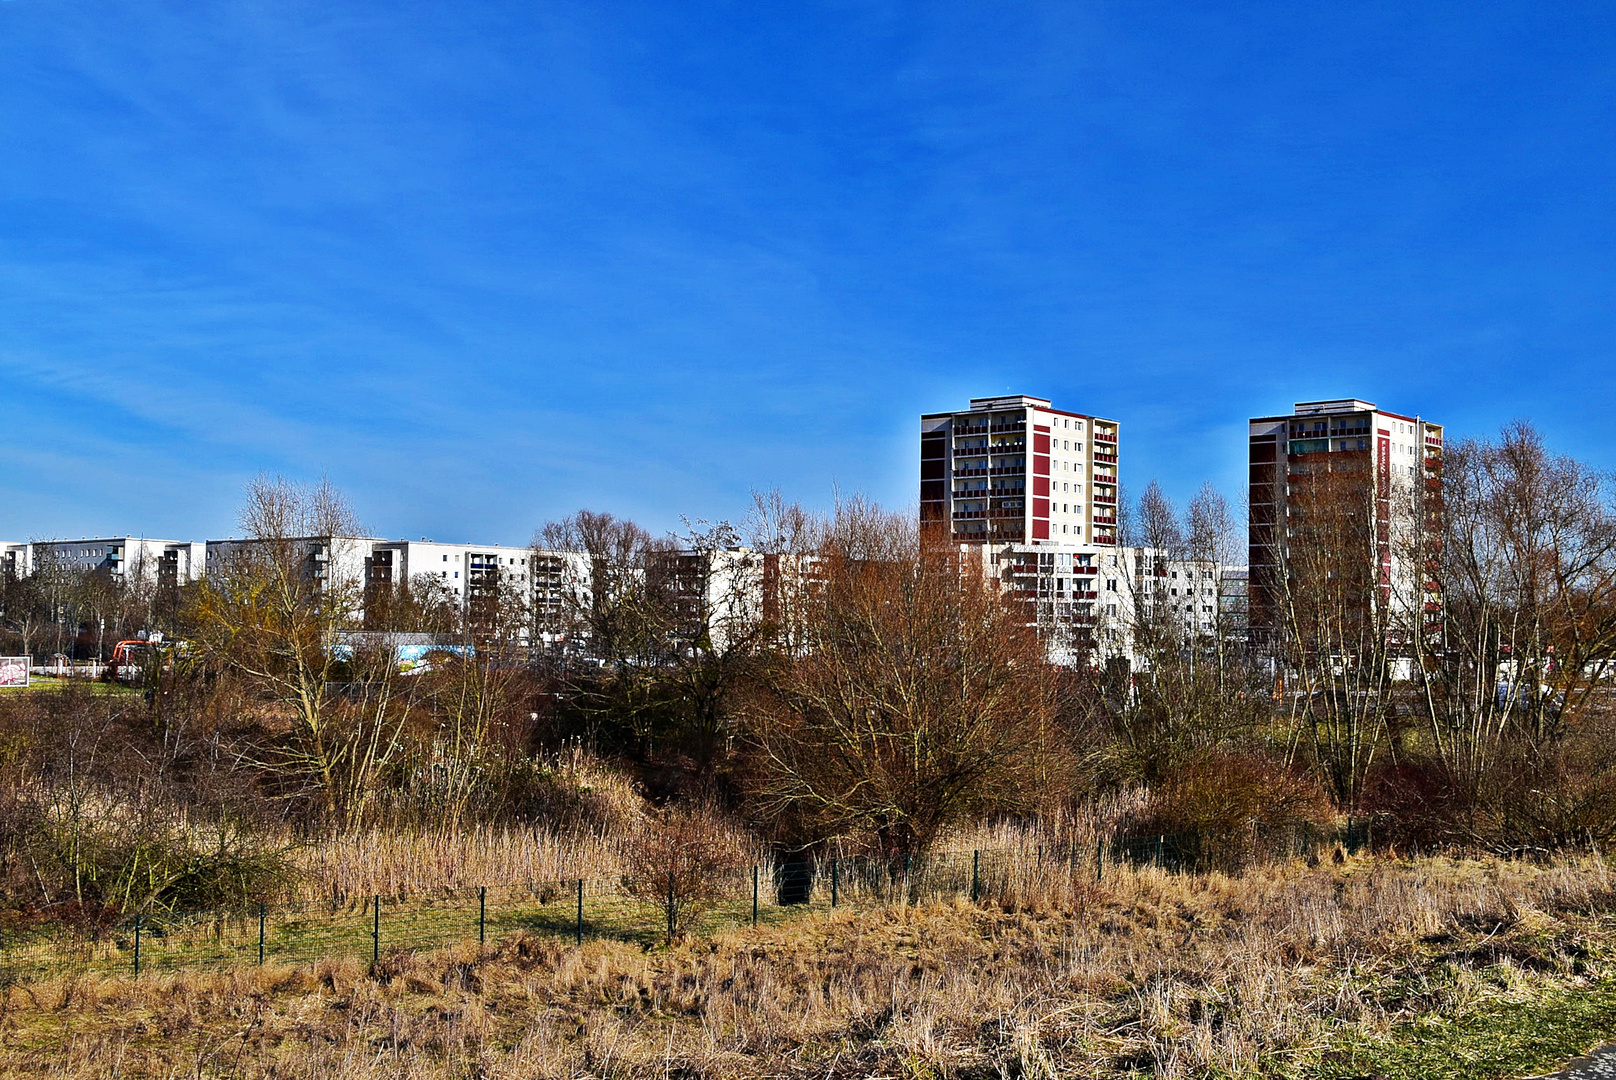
[754,895]
[1161,851]
[482,914]
[376,930]
[137,946]
[834,881]
[578,929]
[976,876]
[263,911]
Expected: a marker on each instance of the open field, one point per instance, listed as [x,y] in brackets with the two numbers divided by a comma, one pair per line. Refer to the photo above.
[1388,968]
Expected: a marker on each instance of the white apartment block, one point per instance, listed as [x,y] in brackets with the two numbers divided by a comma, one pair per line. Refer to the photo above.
[1016,470]
[1087,600]
[1399,460]
[360,565]
[130,559]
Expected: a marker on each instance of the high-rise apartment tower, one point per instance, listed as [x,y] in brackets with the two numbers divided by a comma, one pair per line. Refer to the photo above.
[1014,470]
[1366,481]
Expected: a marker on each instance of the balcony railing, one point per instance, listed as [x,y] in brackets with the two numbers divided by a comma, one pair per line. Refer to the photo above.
[1007,470]
[1110,500]
[971,429]
[1100,436]
[971,472]
[1014,425]
[1100,520]
[1110,459]
[1099,539]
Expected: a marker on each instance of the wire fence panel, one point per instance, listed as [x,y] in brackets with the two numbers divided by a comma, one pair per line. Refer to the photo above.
[643,911]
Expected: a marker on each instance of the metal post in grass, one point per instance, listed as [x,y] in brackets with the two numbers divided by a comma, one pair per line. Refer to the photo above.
[578,931]
[263,912]
[482,914]
[1099,860]
[137,946]
[835,881]
[670,907]
[976,876]
[754,894]
[1161,852]
[376,930]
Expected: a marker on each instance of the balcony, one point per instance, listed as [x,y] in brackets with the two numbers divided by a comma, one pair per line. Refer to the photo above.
[1018,447]
[1110,500]
[1079,568]
[1098,539]
[1100,436]
[970,429]
[1098,520]
[1014,425]
[1008,470]
[960,515]
[971,472]
[1109,459]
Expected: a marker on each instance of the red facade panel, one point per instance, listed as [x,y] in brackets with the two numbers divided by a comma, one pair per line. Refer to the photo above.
[1040,508]
[1040,486]
[1040,529]
[1040,440]
[1040,465]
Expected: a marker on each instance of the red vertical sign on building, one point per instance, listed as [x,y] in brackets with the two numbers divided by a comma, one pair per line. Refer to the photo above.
[1040,469]
[1383,512]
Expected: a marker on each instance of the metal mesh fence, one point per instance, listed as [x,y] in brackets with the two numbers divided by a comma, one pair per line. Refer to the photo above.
[635,910]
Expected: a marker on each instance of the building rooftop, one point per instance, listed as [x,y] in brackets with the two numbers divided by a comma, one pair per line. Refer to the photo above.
[1305,408]
[1009,401]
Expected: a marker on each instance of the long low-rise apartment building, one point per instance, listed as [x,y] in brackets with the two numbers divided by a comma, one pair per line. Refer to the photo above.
[370,570]
[1090,601]
[128,559]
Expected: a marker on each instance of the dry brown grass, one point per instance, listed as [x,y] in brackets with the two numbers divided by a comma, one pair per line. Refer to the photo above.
[416,862]
[1147,972]
[596,813]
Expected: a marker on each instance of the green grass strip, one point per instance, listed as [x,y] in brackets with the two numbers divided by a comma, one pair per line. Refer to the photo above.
[1505,1039]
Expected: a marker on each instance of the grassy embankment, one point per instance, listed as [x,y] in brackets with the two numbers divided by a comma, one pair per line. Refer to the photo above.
[1369,968]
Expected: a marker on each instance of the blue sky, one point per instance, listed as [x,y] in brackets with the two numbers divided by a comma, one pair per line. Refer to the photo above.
[486,263]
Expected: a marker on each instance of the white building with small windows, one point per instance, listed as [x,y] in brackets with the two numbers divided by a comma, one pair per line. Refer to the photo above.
[364,566]
[131,560]
[1087,600]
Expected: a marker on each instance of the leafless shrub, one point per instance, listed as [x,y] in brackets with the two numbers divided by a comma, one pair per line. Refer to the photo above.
[682,864]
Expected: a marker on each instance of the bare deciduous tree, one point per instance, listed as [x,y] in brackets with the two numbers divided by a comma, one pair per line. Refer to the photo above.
[1528,579]
[923,696]
[275,610]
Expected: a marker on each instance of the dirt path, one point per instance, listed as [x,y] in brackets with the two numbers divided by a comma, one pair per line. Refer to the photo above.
[1599,1065]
